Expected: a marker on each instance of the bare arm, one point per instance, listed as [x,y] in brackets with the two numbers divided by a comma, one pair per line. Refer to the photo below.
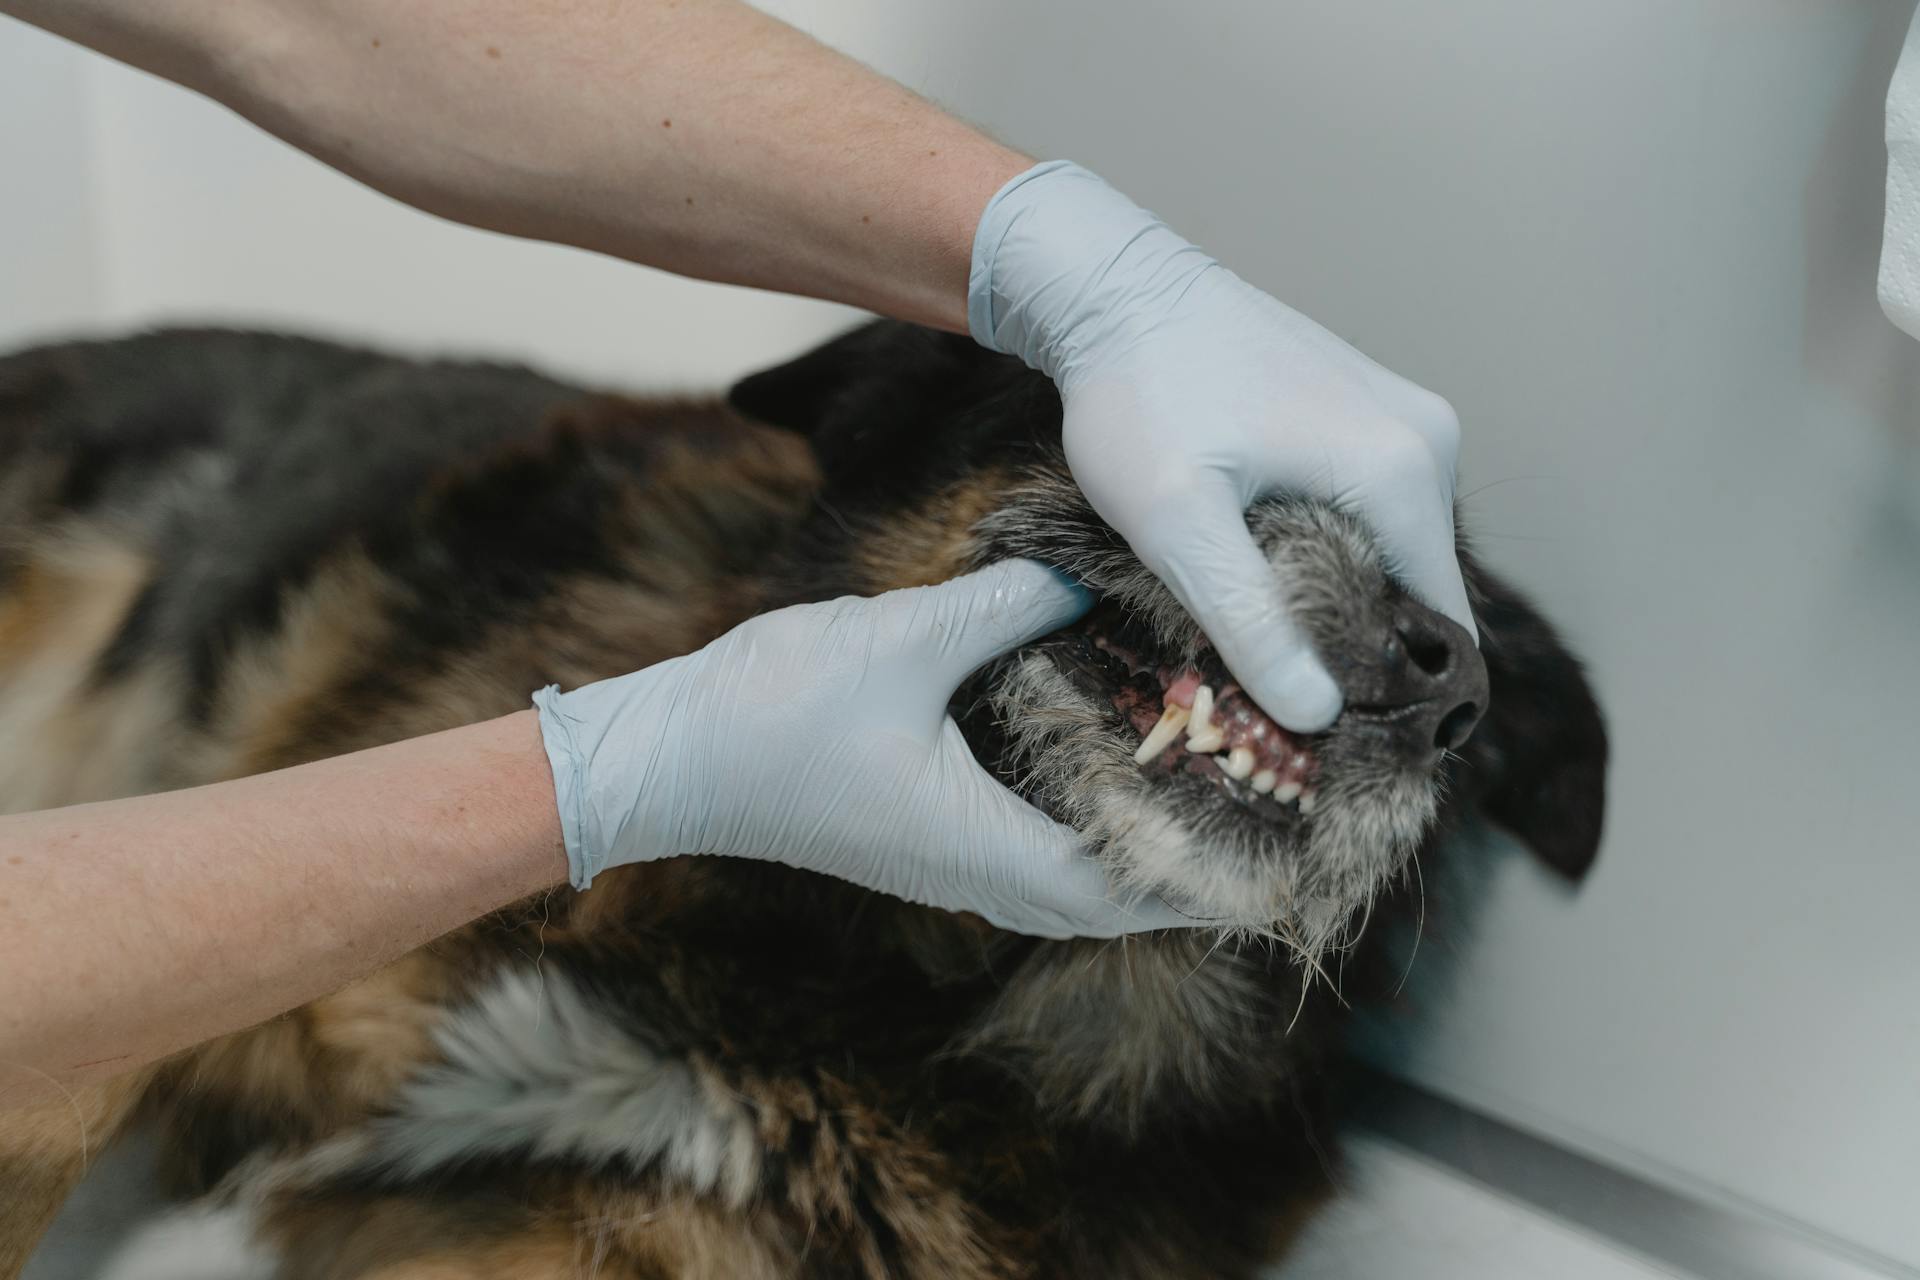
[133,928]
[699,136]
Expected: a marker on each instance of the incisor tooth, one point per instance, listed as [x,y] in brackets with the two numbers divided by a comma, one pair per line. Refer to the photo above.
[1164,731]
[1264,781]
[1206,743]
[1203,735]
[1239,763]
[1307,801]
[1287,792]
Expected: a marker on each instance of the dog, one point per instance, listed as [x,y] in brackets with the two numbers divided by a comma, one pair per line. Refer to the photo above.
[225,552]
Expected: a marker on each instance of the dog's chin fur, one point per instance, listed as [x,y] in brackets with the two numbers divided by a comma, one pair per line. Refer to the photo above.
[1299,879]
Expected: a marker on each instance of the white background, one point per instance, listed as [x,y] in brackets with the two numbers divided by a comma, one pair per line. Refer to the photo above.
[1633,242]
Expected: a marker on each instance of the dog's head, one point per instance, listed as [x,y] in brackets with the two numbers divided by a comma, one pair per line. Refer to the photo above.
[939,457]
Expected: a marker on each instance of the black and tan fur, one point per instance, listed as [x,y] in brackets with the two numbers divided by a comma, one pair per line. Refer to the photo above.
[222,553]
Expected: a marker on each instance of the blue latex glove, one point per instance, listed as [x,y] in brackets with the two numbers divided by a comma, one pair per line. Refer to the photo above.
[1188,394]
[818,736]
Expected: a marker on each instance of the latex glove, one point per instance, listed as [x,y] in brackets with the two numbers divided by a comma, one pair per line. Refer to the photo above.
[1188,394]
[818,736]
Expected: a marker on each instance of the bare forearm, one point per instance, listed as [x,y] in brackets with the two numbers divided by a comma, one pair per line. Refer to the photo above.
[133,928]
[700,136]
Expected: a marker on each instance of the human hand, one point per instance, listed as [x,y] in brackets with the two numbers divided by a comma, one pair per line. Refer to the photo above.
[1188,394]
[818,736]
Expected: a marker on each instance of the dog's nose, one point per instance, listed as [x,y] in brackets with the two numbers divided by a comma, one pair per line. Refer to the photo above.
[1419,680]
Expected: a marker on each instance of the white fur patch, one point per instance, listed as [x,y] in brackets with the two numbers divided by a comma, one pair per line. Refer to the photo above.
[198,1243]
[533,1068]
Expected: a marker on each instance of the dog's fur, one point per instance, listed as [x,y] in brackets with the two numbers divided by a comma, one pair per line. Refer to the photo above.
[222,553]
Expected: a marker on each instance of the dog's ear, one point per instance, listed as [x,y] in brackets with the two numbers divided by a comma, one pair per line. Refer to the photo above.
[842,379]
[894,410]
[1538,761]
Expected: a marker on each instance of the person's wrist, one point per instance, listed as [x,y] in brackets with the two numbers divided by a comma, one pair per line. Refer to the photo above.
[522,782]
[967,171]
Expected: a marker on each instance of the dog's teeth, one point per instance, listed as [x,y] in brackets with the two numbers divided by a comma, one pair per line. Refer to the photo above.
[1203,708]
[1264,781]
[1204,736]
[1307,800]
[1287,792]
[1202,703]
[1163,733]
[1238,763]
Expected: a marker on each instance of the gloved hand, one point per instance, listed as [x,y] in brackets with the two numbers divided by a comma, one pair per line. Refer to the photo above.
[818,736]
[1188,394]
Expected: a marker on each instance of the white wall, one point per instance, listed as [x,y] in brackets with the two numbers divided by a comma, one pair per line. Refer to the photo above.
[49,275]
[1632,241]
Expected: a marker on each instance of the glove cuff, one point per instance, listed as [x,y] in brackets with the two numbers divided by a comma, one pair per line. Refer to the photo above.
[1066,268]
[998,220]
[558,735]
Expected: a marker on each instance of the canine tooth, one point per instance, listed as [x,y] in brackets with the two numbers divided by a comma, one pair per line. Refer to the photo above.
[1307,801]
[1239,763]
[1203,735]
[1264,781]
[1287,792]
[1164,731]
